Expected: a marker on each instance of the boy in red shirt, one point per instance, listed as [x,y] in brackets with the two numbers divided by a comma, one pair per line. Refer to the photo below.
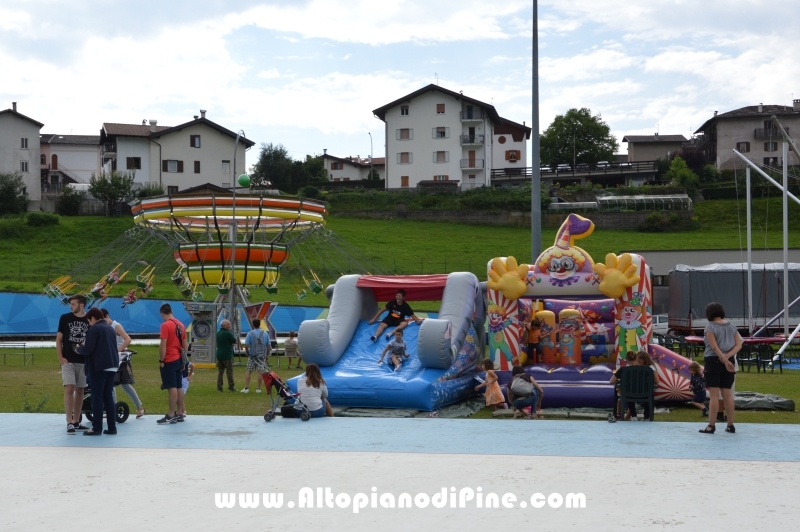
[173,340]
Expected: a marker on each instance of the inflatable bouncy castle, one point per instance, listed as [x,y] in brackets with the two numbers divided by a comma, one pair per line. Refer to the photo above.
[590,316]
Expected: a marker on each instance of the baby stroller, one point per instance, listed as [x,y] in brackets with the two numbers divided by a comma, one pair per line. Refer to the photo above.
[283,399]
[122,408]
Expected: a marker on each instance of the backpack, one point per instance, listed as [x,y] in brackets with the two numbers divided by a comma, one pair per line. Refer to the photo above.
[521,387]
[260,349]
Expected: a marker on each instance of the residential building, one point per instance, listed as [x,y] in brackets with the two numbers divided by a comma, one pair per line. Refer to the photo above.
[68,159]
[352,168]
[19,151]
[435,134]
[194,153]
[652,147]
[750,131]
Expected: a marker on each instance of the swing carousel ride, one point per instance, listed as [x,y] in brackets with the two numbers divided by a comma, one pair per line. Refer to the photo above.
[219,241]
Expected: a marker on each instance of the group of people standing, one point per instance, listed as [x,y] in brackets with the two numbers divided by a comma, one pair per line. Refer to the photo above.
[88,346]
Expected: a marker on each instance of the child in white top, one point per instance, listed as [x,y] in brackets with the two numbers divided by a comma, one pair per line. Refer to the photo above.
[398,349]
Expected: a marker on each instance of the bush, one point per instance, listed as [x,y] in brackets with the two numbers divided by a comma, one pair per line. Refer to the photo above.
[309,191]
[13,195]
[38,219]
[662,222]
[13,228]
[150,189]
[69,202]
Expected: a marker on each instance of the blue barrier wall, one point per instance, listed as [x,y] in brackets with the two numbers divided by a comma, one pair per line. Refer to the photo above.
[38,314]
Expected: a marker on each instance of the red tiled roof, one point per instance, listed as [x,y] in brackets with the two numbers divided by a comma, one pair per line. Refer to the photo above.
[130,130]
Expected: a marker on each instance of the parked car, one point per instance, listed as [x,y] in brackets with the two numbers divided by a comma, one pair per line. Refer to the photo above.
[625,166]
[582,167]
[661,324]
[545,170]
[564,168]
[602,165]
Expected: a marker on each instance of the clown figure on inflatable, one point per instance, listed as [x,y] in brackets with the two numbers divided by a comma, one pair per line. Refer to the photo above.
[591,316]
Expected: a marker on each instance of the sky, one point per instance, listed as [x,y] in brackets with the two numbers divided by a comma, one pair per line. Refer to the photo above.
[308,73]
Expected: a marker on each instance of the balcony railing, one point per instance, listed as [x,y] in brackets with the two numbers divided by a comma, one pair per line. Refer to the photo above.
[472,164]
[108,148]
[472,139]
[475,114]
[768,133]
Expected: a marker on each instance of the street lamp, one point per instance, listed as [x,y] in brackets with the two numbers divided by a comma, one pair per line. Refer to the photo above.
[244,178]
[370,155]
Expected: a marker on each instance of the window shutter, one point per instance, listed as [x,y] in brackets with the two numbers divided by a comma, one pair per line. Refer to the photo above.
[191,141]
[447,132]
[440,108]
[397,131]
[164,166]
[508,155]
[410,134]
[447,156]
[410,157]
[180,167]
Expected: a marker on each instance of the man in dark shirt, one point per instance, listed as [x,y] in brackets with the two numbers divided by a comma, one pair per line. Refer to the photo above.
[225,343]
[398,311]
[72,329]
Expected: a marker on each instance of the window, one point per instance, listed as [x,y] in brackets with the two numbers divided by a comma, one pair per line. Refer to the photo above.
[770,146]
[472,176]
[441,132]
[197,167]
[133,163]
[24,143]
[770,161]
[337,166]
[405,134]
[226,167]
[336,179]
[743,147]
[513,156]
[172,166]
[441,156]
[23,167]
[405,157]
[194,141]
[441,178]
[172,190]
[43,159]
[345,179]
[403,180]
[403,110]
[439,108]
[501,139]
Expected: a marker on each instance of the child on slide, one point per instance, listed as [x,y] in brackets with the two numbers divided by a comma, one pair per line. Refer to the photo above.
[398,310]
[398,349]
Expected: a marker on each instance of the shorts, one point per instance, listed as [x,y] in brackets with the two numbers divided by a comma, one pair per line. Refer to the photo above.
[699,397]
[73,374]
[391,322]
[256,363]
[716,375]
[184,384]
[171,375]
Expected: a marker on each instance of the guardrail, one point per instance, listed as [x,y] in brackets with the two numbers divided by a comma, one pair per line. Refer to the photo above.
[469,164]
[472,139]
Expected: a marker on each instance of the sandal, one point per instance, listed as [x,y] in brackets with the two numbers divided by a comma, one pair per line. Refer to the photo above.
[517,414]
[711,429]
[730,428]
[143,412]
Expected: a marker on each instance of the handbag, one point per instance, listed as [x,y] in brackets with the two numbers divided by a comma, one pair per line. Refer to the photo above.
[521,387]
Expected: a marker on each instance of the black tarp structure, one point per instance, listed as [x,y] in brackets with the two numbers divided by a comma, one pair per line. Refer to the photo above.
[691,288]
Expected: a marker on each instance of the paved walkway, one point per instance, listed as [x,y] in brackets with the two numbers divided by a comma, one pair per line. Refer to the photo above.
[153,477]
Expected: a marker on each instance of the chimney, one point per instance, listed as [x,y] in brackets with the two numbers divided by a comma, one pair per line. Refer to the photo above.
[153,124]
[324,151]
[761,108]
[196,117]
[202,113]
[796,106]
[656,135]
[715,113]
[14,106]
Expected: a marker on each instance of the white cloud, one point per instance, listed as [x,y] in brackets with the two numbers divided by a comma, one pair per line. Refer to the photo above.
[347,56]
[269,74]
[14,20]
[596,63]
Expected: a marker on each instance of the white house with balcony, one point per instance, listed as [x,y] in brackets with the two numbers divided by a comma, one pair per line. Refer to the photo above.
[68,159]
[435,134]
[188,155]
[352,168]
[19,151]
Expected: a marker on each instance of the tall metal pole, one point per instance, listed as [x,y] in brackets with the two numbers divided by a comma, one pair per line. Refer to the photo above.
[370,155]
[234,226]
[785,238]
[536,178]
[749,257]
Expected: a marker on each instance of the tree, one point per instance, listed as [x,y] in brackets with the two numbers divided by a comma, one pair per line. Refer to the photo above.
[112,188]
[680,174]
[69,201]
[13,194]
[272,167]
[593,141]
[373,174]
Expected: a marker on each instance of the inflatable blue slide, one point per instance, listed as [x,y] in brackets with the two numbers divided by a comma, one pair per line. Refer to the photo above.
[443,349]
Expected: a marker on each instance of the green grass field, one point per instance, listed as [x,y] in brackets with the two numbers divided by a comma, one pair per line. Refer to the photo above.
[37,388]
